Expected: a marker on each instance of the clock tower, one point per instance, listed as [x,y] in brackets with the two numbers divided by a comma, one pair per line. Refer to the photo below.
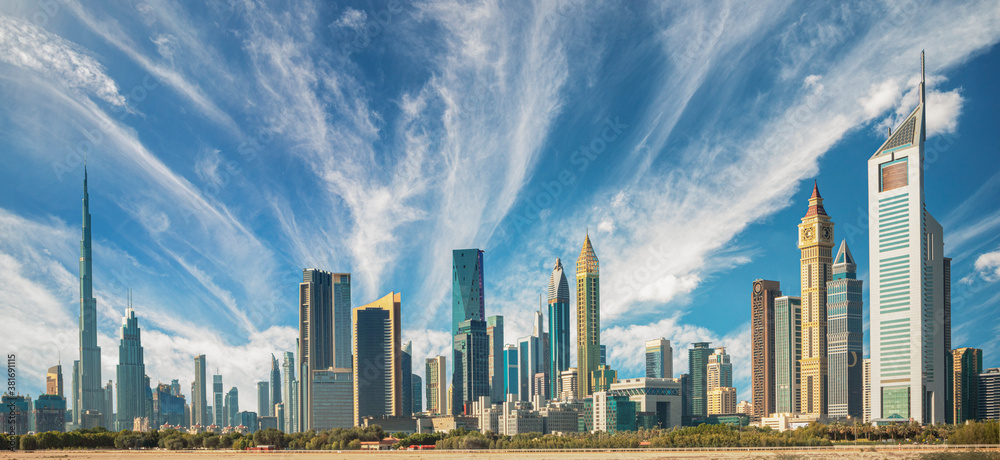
[816,244]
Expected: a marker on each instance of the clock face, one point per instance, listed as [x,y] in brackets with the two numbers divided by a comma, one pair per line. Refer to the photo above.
[827,233]
[807,234]
[757,288]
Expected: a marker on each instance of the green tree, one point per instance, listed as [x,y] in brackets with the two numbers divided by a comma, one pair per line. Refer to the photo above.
[28,442]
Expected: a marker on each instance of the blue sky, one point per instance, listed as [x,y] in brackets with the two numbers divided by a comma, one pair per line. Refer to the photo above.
[232,144]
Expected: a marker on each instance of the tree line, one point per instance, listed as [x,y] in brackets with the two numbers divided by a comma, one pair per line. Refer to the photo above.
[816,434]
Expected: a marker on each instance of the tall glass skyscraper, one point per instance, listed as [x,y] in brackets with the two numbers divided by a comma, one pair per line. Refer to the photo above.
[659,359]
[559,345]
[324,333]
[406,372]
[275,382]
[908,296]
[846,336]
[377,363]
[467,295]
[698,371]
[511,381]
[263,399]
[91,395]
[199,395]
[494,331]
[588,317]
[291,394]
[219,397]
[232,403]
[131,372]
[471,352]
[787,353]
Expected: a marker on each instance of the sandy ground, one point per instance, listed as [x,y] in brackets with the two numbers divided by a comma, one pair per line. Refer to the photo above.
[484,455]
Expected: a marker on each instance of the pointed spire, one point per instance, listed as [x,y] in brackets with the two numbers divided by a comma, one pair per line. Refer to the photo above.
[922,77]
[816,202]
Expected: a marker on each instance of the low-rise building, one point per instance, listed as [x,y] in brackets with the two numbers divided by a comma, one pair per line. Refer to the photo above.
[660,396]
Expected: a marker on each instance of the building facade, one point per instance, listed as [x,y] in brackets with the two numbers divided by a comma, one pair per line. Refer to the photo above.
[787,352]
[406,373]
[588,317]
[90,393]
[907,294]
[435,371]
[470,379]
[722,400]
[698,373]
[416,389]
[494,332]
[50,413]
[511,379]
[131,372]
[659,396]
[324,332]
[720,369]
[559,328]
[762,347]
[816,245]
[377,364]
[866,380]
[275,383]
[967,364]
[199,395]
[263,399]
[54,381]
[333,401]
[659,359]
[290,386]
[989,395]
[845,337]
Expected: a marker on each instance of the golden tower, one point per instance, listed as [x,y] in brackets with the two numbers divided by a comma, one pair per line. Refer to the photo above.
[816,243]
[588,318]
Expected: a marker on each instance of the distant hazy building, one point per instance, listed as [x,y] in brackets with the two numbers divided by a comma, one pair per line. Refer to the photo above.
[166,409]
[966,368]
[416,389]
[762,347]
[494,332]
[568,384]
[333,401]
[559,327]
[845,337]
[720,370]
[377,365]
[602,378]
[50,413]
[698,372]
[511,377]
[16,418]
[588,317]
[199,395]
[435,371]
[275,382]
[54,381]
[787,352]
[131,372]
[659,359]
[263,399]
[291,393]
[219,403]
[531,358]
[406,385]
[108,419]
[248,420]
[989,395]
[324,332]
[232,404]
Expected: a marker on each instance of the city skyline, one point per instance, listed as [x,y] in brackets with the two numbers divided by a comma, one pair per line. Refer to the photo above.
[212,236]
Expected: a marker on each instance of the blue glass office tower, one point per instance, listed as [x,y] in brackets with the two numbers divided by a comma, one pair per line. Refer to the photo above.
[91,395]
[467,301]
[558,328]
[511,382]
[131,373]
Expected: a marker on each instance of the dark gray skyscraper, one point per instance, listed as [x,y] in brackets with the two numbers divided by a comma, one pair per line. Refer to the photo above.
[470,379]
[324,332]
[131,373]
[199,395]
[559,344]
[275,382]
[90,393]
[406,373]
[377,361]
[232,406]
[263,399]
[416,389]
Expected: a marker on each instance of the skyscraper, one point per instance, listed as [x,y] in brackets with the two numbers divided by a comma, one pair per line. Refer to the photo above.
[377,363]
[762,333]
[698,372]
[291,394]
[416,389]
[511,379]
[263,399]
[218,404]
[907,274]
[494,331]
[108,417]
[559,344]
[787,353]
[199,397]
[845,338]
[232,404]
[467,295]
[816,244]
[470,379]
[659,359]
[131,372]
[967,365]
[866,379]
[275,382]
[54,381]
[324,332]
[333,400]
[719,369]
[406,385]
[76,392]
[588,316]
[435,371]
[90,392]
[989,394]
